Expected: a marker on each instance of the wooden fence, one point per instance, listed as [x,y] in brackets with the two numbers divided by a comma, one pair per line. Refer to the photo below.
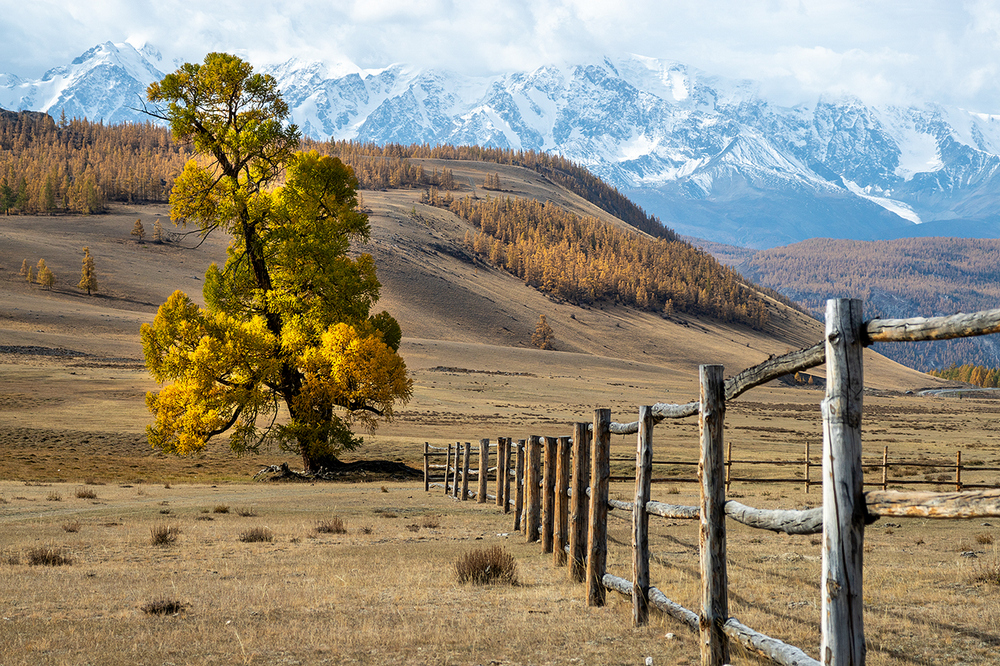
[565,504]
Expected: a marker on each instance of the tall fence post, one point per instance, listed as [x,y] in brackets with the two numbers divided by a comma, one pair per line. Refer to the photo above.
[499,480]
[506,474]
[712,533]
[458,453]
[560,531]
[640,519]
[427,467]
[548,493]
[447,471]
[484,466]
[958,471]
[519,485]
[842,621]
[532,492]
[597,539]
[578,504]
[885,468]
[807,467]
[465,471]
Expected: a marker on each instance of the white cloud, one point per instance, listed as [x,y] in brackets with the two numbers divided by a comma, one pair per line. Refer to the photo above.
[940,50]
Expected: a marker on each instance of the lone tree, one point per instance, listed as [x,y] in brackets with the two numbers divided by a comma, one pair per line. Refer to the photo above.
[543,335]
[45,276]
[138,230]
[88,277]
[287,322]
[157,231]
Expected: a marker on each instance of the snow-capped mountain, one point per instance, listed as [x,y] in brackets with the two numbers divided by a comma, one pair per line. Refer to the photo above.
[711,157]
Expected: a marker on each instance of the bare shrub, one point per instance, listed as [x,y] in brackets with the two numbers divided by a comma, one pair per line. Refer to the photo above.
[164,535]
[221,508]
[486,566]
[85,493]
[54,497]
[256,535]
[48,556]
[985,538]
[986,569]
[430,522]
[73,526]
[162,607]
[334,525]
[366,529]
[204,518]
[165,511]
[246,512]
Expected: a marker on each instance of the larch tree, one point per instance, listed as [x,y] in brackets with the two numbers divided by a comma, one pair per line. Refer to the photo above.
[25,270]
[157,231]
[46,278]
[138,230]
[543,335]
[286,350]
[88,276]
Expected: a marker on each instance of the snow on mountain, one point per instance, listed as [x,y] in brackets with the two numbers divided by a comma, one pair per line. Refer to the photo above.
[710,156]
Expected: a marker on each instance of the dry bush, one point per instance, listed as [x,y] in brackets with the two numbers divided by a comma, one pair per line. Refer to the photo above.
[333,525]
[54,497]
[204,518]
[256,535]
[366,529]
[985,538]
[162,607]
[986,569]
[48,556]
[246,512]
[163,535]
[73,526]
[430,522]
[165,511]
[221,508]
[486,566]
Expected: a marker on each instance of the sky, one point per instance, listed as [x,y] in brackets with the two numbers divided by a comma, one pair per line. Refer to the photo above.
[883,51]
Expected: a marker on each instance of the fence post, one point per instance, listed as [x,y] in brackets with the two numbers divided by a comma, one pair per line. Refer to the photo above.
[519,485]
[447,471]
[560,532]
[484,465]
[841,620]
[427,469]
[506,474]
[499,484]
[465,471]
[958,470]
[454,486]
[640,519]
[531,489]
[712,533]
[597,538]
[578,503]
[548,493]
[807,466]
[885,468]
[729,464]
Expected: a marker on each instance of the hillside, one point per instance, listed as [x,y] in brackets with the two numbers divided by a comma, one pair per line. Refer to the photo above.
[74,363]
[899,278]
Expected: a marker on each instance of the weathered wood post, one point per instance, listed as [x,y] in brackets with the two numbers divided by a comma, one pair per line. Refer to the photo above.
[548,493]
[447,471]
[579,505]
[885,468]
[519,485]
[531,490]
[807,467]
[560,531]
[841,620]
[712,532]
[484,466]
[427,467]
[958,471]
[458,454]
[640,519]
[597,538]
[500,466]
[729,464]
[506,474]
[465,471]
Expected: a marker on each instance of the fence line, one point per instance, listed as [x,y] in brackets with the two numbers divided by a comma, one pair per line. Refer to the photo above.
[845,511]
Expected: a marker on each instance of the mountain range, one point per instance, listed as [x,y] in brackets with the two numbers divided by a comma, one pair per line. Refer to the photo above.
[712,158]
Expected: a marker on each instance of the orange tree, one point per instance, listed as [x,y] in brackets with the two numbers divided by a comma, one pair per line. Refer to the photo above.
[286,350]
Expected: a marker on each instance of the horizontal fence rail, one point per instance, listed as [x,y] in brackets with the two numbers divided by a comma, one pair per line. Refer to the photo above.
[564,503]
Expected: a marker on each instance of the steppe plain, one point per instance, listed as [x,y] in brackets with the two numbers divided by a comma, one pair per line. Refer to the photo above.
[72,420]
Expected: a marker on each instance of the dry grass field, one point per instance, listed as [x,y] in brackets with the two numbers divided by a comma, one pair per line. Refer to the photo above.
[72,421]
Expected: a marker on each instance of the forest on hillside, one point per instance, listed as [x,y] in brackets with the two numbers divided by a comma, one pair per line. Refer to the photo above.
[78,166]
[911,277]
